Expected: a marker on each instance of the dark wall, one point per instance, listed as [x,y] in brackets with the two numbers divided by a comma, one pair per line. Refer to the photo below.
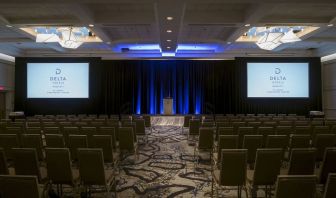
[138,86]
[57,106]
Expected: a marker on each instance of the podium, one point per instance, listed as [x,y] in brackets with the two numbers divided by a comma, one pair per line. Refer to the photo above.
[168,106]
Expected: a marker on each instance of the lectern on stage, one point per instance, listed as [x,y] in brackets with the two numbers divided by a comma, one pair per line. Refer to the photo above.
[168,106]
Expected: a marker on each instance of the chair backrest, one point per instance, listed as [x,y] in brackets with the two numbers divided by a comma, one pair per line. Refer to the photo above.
[33,141]
[140,127]
[105,143]
[26,162]
[54,140]
[226,131]
[33,130]
[226,142]
[75,142]
[303,130]
[14,130]
[33,124]
[69,131]
[51,130]
[254,124]
[59,165]
[242,131]
[233,167]
[330,189]
[321,130]
[17,186]
[277,141]
[265,131]
[284,130]
[7,142]
[207,124]
[206,138]
[88,131]
[97,124]
[285,123]
[328,165]
[300,141]
[321,142]
[133,126]
[269,124]
[3,163]
[302,161]
[89,160]
[194,126]
[111,132]
[126,139]
[267,166]
[252,143]
[147,119]
[238,125]
[295,186]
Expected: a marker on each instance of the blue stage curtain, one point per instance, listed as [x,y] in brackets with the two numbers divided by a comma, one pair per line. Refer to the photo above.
[144,83]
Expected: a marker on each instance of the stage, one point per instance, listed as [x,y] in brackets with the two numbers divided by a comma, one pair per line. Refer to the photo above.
[167,120]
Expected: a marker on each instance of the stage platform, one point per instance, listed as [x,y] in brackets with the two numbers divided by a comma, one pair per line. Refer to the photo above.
[167,120]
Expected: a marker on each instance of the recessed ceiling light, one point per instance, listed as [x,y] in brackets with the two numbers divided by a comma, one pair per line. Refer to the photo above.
[330,25]
[229,43]
[9,26]
[247,25]
[108,42]
[91,25]
[169,31]
[168,40]
[169,18]
[168,47]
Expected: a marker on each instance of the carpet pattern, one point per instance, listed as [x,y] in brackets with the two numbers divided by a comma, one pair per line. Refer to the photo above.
[165,168]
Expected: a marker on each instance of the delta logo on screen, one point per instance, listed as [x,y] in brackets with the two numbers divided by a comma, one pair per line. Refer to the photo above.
[277,76]
[57,77]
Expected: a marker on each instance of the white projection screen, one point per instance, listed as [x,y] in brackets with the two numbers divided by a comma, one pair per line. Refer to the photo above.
[277,80]
[57,80]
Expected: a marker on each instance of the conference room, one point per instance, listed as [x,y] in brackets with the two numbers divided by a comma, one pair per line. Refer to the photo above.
[158,98]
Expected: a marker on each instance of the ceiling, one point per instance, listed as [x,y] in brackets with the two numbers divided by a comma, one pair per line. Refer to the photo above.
[200,28]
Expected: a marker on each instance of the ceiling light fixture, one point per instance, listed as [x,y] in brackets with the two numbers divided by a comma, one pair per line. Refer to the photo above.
[229,42]
[68,37]
[272,37]
[330,25]
[168,40]
[169,18]
[91,25]
[270,40]
[168,47]
[169,31]
[9,26]
[290,37]
[247,25]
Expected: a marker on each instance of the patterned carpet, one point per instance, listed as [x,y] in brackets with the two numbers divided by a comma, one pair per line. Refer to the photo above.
[164,168]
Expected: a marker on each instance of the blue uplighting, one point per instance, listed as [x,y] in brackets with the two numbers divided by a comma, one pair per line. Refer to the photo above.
[186,95]
[197,47]
[138,102]
[152,100]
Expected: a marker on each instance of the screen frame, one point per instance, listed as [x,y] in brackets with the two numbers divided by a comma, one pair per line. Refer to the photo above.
[55,61]
[274,62]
